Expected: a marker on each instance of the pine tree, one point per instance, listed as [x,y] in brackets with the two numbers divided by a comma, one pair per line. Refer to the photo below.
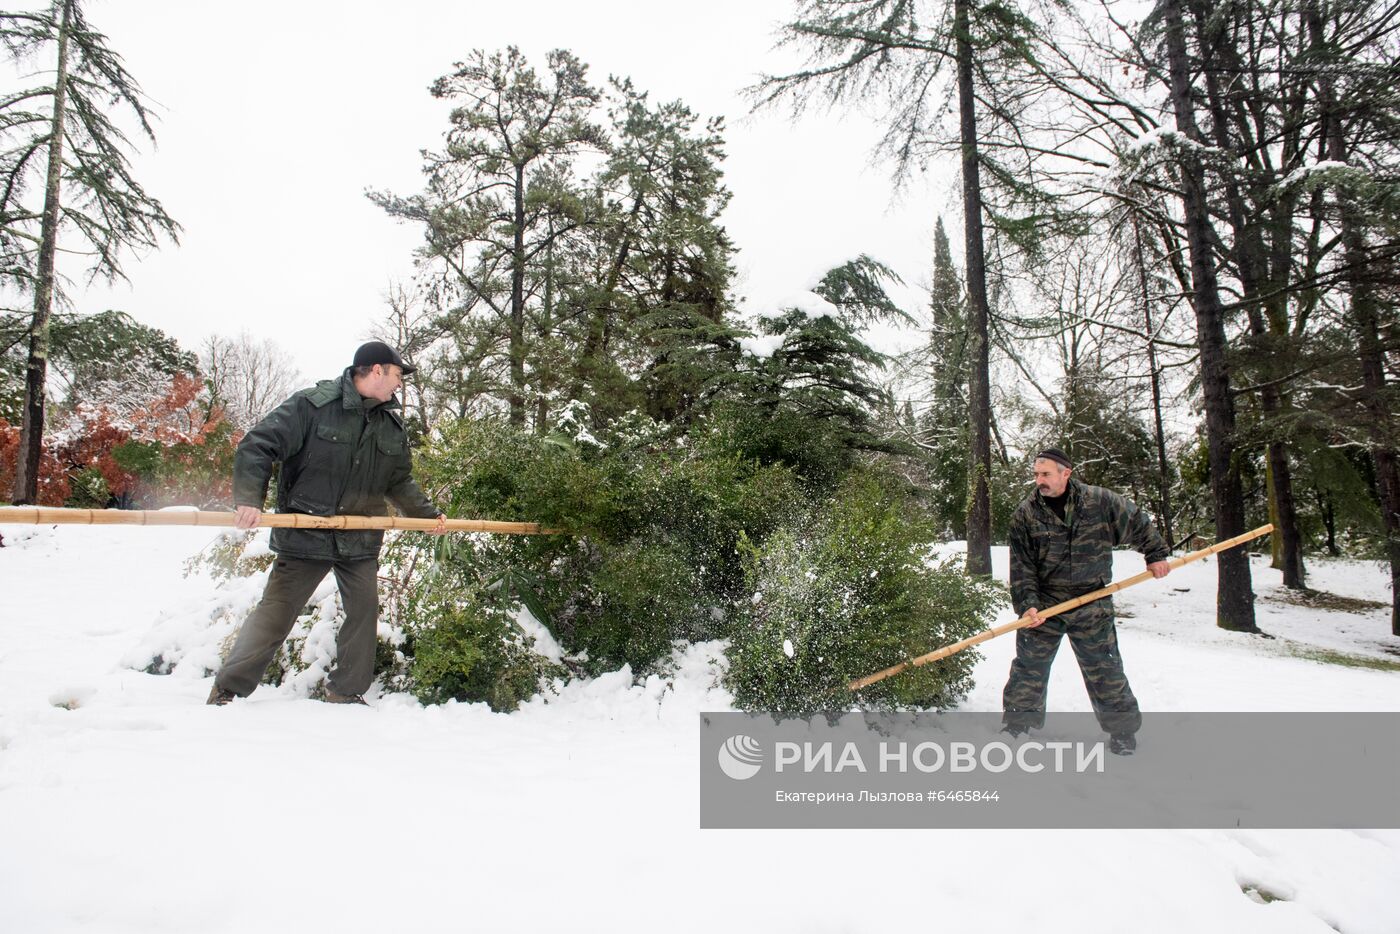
[656,317]
[624,302]
[1357,115]
[499,195]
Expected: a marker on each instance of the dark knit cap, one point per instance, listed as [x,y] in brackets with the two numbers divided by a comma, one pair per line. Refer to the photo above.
[1056,455]
[380,352]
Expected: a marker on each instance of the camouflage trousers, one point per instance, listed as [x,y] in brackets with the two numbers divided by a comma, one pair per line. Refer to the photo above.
[1094,638]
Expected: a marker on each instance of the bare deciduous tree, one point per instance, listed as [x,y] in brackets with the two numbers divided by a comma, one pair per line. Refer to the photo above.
[247,376]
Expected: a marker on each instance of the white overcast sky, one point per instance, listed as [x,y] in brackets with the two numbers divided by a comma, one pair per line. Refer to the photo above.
[275,117]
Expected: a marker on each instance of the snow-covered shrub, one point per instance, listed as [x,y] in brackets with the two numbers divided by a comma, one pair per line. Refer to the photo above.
[652,551]
[853,592]
[641,597]
[233,554]
[685,542]
[464,645]
[711,502]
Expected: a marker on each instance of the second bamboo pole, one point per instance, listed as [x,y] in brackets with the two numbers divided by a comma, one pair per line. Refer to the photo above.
[1055,610]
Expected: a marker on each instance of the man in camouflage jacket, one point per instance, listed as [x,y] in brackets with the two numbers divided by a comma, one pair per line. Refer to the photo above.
[343,451]
[1062,539]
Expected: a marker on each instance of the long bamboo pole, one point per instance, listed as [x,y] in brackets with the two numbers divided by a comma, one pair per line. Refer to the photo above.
[38,515]
[1055,610]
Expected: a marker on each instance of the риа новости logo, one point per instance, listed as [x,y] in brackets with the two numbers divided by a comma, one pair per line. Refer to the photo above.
[741,757]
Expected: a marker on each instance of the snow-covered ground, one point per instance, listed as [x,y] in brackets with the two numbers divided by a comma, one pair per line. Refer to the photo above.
[127,805]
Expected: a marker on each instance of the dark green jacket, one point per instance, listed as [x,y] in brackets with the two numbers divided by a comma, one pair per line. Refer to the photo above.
[1052,561]
[338,458]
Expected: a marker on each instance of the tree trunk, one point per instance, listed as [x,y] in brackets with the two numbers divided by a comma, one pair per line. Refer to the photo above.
[1328,513]
[1235,593]
[516,397]
[31,438]
[1284,514]
[1250,262]
[546,325]
[1365,321]
[589,363]
[1164,484]
[979,404]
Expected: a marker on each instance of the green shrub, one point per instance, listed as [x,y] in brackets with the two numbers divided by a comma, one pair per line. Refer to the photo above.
[639,600]
[848,596]
[709,506]
[653,551]
[813,448]
[487,469]
[88,490]
[465,646]
[682,542]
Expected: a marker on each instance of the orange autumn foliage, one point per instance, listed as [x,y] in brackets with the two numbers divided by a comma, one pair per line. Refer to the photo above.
[172,449]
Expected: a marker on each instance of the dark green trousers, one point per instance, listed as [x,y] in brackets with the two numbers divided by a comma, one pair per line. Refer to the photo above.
[1094,638]
[290,586]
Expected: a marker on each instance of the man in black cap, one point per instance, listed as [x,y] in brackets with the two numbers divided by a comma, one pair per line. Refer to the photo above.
[1062,541]
[343,451]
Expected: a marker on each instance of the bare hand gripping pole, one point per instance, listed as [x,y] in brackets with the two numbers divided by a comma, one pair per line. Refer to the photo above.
[38,515]
[1055,610]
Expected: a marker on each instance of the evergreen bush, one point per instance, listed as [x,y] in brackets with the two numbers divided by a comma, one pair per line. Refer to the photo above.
[465,646]
[852,593]
[88,490]
[709,505]
[653,553]
[810,447]
[698,540]
[642,597]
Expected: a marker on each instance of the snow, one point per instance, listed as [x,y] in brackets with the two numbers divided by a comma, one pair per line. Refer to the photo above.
[809,303]
[128,805]
[1303,171]
[544,642]
[763,346]
[1163,137]
[1157,136]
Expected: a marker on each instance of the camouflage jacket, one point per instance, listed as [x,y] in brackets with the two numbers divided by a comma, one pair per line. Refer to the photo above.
[1054,560]
[338,458]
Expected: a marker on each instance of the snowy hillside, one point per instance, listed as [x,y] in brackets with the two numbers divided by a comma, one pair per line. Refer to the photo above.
[127,805]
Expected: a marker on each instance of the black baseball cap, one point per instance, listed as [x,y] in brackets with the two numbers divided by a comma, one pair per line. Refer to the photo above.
[380,352]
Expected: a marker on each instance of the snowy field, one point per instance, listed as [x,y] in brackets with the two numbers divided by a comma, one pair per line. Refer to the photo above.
[128,805]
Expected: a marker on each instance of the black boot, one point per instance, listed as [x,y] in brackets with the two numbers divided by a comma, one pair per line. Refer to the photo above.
[1122,744]
[218,697]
